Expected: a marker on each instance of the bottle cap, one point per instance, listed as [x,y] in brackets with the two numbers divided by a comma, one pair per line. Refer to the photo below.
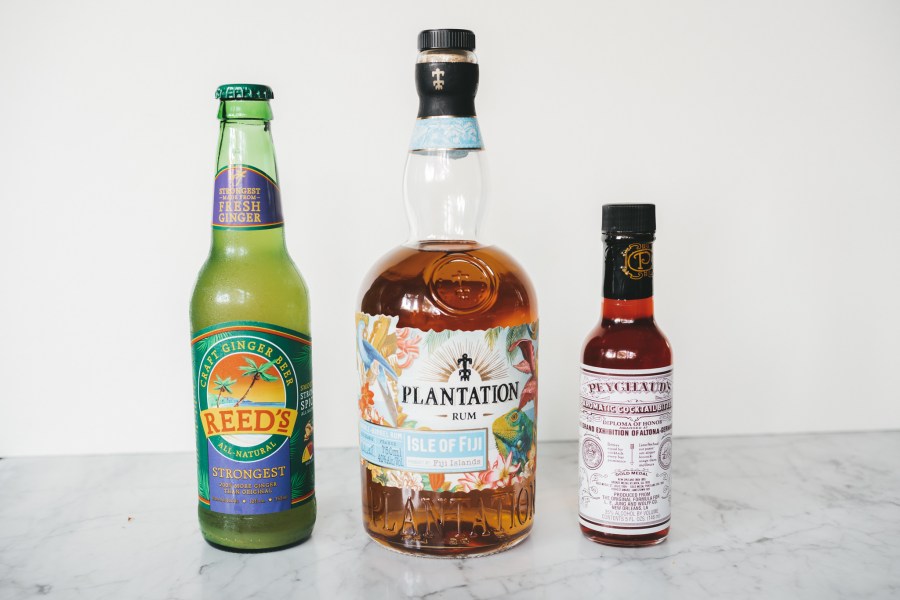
[244,91]
[446,39]
[629,218]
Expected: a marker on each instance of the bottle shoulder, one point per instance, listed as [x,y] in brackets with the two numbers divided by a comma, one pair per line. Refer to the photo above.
[638,344]
[241,289]
[230,271]
[449,286]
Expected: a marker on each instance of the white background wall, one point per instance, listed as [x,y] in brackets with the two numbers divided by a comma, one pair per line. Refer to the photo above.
[767,133]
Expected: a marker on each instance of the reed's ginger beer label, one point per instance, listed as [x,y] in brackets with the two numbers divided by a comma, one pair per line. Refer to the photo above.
[253,414]
[245,197]
[625,452]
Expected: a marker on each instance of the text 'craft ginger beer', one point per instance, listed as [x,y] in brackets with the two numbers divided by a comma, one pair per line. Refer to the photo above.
[625,433]
[251,348]
[446,340]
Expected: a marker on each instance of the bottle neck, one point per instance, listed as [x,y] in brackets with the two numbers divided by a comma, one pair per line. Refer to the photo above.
[627,310]
[628,276]
[442,191]
[247,215]
[444,176]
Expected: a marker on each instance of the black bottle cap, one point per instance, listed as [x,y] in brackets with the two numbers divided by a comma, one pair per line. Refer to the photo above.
[446,39]
[629,218]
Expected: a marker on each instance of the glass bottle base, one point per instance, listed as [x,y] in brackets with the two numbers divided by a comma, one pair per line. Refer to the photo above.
[450,551]
[625,541]
[258,533]
[254,550]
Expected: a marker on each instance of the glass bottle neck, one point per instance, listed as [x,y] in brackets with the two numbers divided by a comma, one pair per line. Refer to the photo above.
[442,191]
[627,310]
[628,277]
[247,207]
[444,176]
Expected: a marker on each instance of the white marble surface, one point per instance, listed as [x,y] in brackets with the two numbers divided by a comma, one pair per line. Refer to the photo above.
[806,516]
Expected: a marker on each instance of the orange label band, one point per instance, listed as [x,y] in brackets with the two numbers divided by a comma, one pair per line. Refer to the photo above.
[274,421]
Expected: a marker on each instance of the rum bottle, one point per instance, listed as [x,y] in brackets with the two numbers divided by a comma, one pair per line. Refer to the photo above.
[625,452]
[446,338]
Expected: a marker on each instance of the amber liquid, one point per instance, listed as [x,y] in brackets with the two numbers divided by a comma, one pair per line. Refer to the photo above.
[627,337]
[438,286]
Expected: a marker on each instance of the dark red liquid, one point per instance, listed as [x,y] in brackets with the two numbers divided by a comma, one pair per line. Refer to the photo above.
[627,337]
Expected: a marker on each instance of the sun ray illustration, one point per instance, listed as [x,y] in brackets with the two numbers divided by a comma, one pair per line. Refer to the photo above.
[443,362]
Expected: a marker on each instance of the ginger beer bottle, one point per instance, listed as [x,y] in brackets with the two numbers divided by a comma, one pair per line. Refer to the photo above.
[447,340]
[251,348]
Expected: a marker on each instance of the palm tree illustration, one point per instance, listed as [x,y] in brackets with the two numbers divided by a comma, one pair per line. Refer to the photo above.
[257,372]
[223,385]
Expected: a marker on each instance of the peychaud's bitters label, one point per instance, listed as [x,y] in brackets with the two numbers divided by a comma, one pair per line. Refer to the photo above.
[625,453]
[253,414]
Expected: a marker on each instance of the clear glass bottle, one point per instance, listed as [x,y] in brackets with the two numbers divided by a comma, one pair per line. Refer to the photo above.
[251,348]
[447,344]
[625,455]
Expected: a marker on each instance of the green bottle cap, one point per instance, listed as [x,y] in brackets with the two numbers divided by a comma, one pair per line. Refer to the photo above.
[244,91]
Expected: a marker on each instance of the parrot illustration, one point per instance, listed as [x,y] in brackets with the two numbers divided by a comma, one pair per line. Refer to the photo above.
[369,355]
[514,433]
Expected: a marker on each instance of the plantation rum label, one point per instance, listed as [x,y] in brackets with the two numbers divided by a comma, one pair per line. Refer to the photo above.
[449,411]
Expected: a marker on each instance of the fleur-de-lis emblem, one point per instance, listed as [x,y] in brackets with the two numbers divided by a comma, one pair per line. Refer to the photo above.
[438,82]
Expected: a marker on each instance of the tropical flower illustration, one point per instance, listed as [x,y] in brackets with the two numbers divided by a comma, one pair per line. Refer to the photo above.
[506,470]
[436,480]
[527,366]
[405,479]
[365,399]
[482,480]
[407,347]
[377,473]
[528,468]
[367,406]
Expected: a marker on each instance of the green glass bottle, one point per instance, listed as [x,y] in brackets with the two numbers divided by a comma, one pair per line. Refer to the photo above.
[251,348]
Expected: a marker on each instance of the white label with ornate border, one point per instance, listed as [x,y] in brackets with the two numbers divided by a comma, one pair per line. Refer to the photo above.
[625,450]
